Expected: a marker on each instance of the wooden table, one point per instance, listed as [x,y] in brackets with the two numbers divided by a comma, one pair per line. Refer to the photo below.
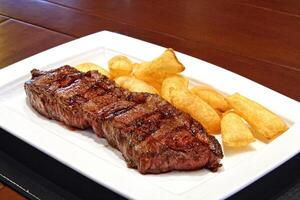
[8,194]
[258,39]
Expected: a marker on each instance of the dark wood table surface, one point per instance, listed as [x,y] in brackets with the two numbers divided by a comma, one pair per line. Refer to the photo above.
[258,39]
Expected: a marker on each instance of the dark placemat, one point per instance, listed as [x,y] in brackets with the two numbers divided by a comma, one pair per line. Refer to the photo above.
[38,176]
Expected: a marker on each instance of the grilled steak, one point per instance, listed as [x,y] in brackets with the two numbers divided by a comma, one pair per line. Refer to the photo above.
[152,135]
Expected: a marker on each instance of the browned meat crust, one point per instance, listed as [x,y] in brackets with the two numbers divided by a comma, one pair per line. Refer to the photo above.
[152,135]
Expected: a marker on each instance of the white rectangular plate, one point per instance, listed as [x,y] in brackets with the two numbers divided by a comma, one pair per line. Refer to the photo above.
[92,157]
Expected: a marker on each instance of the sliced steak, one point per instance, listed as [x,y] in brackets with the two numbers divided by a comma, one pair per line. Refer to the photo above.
[61,93]
[152,135]
[155,137]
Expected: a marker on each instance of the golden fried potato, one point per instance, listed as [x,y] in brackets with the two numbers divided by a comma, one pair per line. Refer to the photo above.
[197,108]
[235,132]
[212,97]
[122,79]
[204,87]
[135,65]
[226,112]
[85,67]
[175,90]
[135,85]
[265,123]
[219,113]
[176,82]
[156,85]
[157,70]
[120,66]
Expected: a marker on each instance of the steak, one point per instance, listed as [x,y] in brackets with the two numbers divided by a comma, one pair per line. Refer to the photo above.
[152,135]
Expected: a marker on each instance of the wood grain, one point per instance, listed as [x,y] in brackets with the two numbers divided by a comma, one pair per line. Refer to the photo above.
[288,7]
[8,194]
[226,25]
[218,34]
[63,20]
[2,18]
[19,40]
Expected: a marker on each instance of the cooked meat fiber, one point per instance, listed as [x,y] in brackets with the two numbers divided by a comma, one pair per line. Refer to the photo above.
[152,135]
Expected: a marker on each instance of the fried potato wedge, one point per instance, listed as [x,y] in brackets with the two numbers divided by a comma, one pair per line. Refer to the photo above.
[122,79]
[85,67]
[156,85]
[235,132]
[151,81]
[155,71]
[265,123]
[120,66]
[197,108]
[204,87]
[176,82]
[175,90]
[212,97]
[135,66]
[135,85]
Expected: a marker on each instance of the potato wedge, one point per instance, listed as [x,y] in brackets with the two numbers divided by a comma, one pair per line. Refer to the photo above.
[265,123]
[219,113]
[120,66]
[158,69]
[135,85]
[175,90]
[176,82]
[156,84]
[85,67]
[204,87]
[197,108]
[135,65]
[122,79]
[212,97]
[235,132]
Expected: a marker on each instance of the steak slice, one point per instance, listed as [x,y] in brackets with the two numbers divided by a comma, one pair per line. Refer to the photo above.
[42,86]
[152,135]
[155,137]
[61,93]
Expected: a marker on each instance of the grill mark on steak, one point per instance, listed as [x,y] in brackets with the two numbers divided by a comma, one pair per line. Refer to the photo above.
[54,79]
[73,96]
[45,85]
[144,119]
[111,110]
[152,135]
